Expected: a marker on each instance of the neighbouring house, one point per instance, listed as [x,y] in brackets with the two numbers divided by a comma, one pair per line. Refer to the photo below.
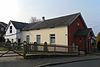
[2,31]
[13,31]
[67,30]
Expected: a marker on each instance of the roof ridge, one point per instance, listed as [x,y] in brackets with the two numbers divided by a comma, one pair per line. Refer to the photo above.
[17,21]
[3,24]
[64,16]
[55,22]
[18,25]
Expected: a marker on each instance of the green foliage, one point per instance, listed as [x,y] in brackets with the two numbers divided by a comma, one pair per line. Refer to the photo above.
[98,39]
[3,49]
[98,45]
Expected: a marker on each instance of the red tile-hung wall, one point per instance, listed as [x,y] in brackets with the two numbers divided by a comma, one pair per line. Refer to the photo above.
[78,23]
[80,41]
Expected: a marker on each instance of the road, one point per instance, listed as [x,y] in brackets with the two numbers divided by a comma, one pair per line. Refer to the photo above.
[18,61]
[89,63]
[17,64]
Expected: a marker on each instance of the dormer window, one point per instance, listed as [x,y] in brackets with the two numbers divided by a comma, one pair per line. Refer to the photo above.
[10,29]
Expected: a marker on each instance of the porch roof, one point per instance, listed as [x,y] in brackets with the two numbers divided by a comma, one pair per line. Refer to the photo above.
[84,32]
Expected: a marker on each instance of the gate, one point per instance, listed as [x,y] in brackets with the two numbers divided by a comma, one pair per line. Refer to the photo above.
[11,49]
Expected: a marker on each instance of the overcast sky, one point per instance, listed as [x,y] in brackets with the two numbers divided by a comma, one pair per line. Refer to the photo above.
[23,10]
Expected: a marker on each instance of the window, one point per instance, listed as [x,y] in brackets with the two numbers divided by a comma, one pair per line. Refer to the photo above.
[10,29]
[27,38]
[52,38]
[38,39]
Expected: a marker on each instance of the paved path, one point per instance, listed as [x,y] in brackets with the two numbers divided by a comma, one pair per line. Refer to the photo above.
[18,61]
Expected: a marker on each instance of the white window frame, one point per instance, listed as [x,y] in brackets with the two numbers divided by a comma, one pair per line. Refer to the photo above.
[10,29]
[38,39]
[27,38]
[52,39]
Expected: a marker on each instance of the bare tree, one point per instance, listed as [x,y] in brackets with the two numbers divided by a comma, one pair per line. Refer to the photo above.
[34,19]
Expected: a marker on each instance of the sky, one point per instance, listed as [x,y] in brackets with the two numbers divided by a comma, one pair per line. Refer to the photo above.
[23,10]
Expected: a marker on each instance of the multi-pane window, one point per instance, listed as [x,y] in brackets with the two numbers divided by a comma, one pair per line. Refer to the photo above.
[10,29]
[27,38]
[38,39]
[52,38]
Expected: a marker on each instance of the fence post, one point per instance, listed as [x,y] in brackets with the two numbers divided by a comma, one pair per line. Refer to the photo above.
[54,48]
[15,45]
[45,47]
[25,49]
[78,51]
[35,46]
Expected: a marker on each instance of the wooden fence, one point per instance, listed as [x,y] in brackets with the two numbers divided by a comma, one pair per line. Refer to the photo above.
[46,49]
[26,49]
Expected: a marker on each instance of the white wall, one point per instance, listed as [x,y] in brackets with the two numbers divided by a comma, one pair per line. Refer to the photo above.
[61,35]
[18,35]
[12,35]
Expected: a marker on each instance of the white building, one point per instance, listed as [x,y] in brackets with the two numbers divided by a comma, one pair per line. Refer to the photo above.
[67,30]
[52,31]
[50,35]
[13,31]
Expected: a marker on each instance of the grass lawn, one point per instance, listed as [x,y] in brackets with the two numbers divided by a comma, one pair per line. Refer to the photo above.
[3,49]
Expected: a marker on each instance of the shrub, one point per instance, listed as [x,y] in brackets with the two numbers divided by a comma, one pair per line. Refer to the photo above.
[98,45]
